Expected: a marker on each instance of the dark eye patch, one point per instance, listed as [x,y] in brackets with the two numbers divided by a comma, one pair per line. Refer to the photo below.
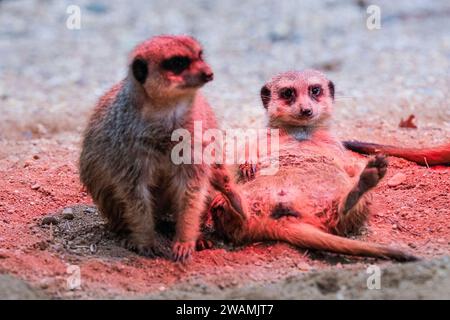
[287,94]
[315,91]
[176,64]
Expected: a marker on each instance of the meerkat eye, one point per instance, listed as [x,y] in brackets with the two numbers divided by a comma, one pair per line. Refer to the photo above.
[287,94]
[176,64]
[315,91]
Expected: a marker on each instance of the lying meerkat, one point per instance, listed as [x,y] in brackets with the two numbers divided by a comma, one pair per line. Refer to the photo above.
[125,161]
[432,156]
[311,201]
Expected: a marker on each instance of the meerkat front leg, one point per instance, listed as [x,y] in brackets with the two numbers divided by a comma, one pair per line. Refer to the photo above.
[190,190]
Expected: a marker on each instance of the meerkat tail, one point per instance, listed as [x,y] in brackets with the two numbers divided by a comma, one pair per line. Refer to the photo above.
[307,236]
[426,156]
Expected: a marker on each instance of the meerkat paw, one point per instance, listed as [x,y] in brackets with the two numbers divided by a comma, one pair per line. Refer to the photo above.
[182,251]
[374,171]
[219,202]
[247,171]
[203,244]
[218,208]
[146,250]
[227,223]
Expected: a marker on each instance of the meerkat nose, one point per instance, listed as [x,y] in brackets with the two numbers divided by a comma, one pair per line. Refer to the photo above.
[207,76]
[306,112]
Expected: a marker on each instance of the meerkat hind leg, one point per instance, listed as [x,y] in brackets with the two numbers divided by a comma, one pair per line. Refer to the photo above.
[138,215]
[369,178]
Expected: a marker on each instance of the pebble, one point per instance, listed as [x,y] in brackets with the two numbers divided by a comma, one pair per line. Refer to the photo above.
[396,180]
[35,186]
[93,248]
[89,210]
[43,286]
[67,214]
[303,266]
[49,220]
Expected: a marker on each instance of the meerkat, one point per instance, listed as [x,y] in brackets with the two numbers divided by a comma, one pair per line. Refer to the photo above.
[311,201]
[433,156]
[125,161]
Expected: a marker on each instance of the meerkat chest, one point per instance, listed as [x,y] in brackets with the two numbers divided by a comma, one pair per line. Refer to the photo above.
[172,118]
[157,126]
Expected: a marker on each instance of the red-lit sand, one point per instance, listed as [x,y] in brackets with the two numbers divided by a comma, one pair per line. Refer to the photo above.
[43,180]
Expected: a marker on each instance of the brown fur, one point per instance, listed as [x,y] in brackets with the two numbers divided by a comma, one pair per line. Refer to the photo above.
[439,155]
[125,162]
[311,201]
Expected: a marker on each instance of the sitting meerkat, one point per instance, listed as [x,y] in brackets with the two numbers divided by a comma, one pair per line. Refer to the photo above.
[311,201]
[125,161]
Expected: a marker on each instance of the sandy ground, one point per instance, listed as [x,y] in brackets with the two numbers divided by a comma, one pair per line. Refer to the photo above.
[381,76]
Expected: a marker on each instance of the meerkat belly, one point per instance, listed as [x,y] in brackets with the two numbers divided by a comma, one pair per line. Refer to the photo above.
[304,183]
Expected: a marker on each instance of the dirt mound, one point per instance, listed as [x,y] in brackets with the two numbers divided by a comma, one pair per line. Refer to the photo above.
[80,230]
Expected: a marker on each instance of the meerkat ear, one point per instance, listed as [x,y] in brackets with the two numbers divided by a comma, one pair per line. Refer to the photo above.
[265,96]
[331,88]
[140,69]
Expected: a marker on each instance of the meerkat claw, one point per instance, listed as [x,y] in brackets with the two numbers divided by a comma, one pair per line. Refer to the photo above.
[182,251]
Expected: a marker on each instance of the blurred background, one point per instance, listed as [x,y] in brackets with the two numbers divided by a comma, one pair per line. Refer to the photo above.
[51,76]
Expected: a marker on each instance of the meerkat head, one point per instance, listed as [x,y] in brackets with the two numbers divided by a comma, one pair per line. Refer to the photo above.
[298,99]
[169,66]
